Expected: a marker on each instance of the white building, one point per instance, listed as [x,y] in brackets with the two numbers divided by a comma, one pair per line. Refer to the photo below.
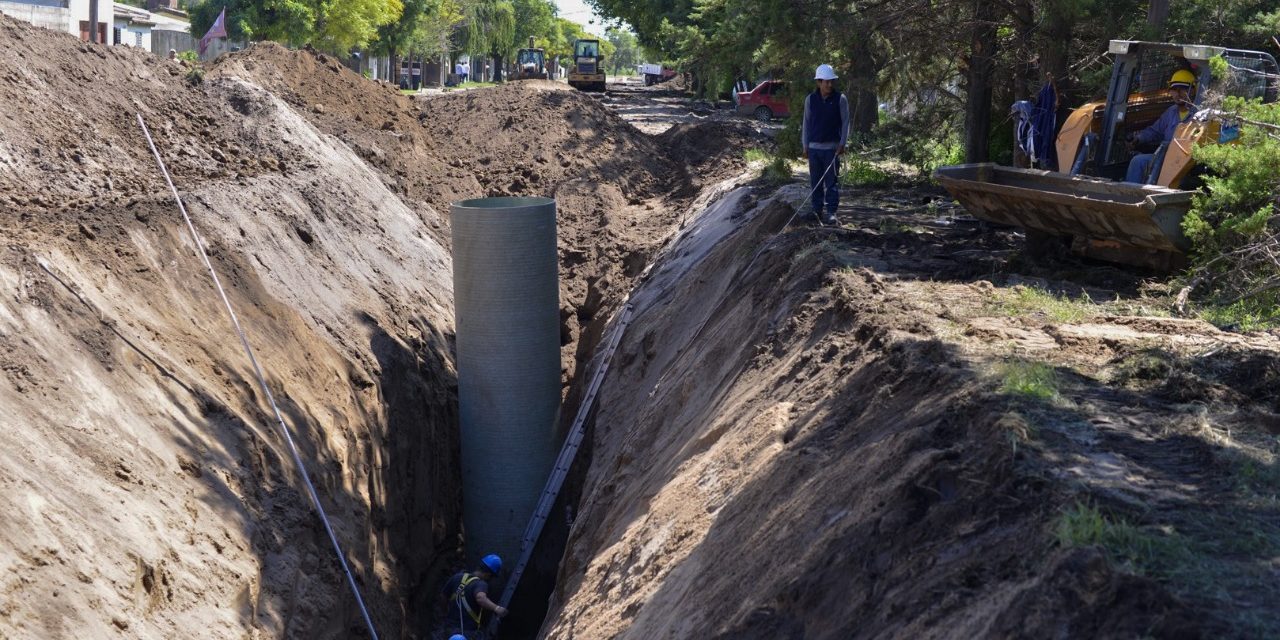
[69,16]
[132,27]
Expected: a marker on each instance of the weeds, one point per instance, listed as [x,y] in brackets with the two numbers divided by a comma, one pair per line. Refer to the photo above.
[195,76]
[755,154]
[777,171]
[1026,300]
[1142,551]
[860,172]
[1030,380]
[1243,315]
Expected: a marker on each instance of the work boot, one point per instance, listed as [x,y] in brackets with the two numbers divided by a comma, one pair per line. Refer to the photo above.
[830,219]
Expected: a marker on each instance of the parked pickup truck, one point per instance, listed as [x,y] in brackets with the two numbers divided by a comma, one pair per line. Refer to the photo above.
[655,73]
[765,102]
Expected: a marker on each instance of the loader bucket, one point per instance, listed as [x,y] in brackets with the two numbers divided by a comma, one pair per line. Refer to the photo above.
[1099,212]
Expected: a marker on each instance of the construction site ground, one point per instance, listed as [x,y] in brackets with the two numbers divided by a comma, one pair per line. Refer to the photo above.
[903,426]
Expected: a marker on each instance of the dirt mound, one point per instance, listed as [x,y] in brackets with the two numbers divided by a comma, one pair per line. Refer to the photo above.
[713,145]
[144,481]
[69,111]
[619,191]
[789,403]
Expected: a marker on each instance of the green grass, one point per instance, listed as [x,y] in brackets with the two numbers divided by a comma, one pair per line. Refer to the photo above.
[777,171]
[1154,553]
[1206,555]
[1029,380]
[756,155]
[1022,300]
[1245,315]
[858,172]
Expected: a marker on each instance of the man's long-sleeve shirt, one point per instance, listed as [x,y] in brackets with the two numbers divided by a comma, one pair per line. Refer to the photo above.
[1162,129]
[809,127]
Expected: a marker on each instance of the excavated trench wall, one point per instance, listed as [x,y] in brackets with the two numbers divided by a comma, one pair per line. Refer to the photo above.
[144,482]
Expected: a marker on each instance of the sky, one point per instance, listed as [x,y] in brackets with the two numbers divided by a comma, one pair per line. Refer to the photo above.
[581,13]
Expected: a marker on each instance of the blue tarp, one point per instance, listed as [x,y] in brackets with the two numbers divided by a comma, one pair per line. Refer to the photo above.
[1037,124]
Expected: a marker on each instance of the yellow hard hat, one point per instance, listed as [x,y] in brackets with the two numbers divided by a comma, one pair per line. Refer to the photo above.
[1182,77]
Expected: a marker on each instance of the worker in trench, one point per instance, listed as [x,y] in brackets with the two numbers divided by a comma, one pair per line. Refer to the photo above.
[469,606]
[1181,83]
[823,134]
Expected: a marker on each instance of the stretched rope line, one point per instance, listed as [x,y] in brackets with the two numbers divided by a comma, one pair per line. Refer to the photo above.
[262,381]
[812,191]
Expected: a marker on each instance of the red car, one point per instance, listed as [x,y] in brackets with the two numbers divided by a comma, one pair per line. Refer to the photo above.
[765,102]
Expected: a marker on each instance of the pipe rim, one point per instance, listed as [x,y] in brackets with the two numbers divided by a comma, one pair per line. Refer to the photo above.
[503,203]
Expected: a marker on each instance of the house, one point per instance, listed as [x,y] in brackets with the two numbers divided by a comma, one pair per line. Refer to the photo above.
[132,27]
[68,16]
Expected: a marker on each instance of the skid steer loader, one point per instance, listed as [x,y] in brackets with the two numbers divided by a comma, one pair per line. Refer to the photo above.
[1085,200]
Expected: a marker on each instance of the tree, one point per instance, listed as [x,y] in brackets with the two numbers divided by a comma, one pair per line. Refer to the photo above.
[343,25]
[626,50]
[336,26]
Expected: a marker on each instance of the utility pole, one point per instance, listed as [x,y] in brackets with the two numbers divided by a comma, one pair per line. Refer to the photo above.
[93,21]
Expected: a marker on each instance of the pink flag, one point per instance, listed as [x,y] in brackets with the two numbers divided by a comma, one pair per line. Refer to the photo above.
[218,30]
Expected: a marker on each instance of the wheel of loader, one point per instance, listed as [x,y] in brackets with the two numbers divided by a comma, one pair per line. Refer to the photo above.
[1044,246]
[763,113]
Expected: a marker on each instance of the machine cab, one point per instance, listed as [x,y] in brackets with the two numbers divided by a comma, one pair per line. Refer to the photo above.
[1092,140]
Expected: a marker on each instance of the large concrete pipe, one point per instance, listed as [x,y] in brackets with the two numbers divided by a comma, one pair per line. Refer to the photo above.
[507,307]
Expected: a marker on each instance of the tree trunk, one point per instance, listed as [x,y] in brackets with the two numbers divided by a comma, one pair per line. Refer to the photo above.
[977,112]
[497,68]
[1157,15]
[864,103]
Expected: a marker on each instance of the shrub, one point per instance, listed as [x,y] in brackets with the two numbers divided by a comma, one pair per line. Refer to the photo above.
[860,172]
[1233,224]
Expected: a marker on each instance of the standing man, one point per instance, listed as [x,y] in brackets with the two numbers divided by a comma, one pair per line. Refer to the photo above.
[823,135]
[468,595]
[1181,84]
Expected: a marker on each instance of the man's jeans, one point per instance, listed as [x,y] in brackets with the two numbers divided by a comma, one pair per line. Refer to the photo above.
[828,191]
[1139,167]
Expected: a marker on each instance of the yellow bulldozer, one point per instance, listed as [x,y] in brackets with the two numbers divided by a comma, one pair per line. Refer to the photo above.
[1085,198]
[587,72]
[531,63]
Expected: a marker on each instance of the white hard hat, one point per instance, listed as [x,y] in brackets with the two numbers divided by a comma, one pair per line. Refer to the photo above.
[824,72]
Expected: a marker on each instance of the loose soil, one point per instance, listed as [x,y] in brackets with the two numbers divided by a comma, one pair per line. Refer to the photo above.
[817,434]
[885,429]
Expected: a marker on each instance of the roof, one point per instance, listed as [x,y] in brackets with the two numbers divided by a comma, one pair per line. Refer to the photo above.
[133,14]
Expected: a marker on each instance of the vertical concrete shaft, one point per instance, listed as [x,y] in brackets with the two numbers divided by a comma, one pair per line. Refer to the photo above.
[507,308]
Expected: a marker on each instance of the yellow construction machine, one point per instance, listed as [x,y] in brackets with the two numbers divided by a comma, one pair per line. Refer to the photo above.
[1085,199]
[531,63]
[587,72]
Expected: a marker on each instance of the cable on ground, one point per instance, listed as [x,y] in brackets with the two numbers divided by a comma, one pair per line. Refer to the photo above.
[262,381]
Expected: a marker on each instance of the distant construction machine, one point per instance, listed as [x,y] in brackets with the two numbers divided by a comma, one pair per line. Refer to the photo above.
[531,63]
[587,72]
[1083,199]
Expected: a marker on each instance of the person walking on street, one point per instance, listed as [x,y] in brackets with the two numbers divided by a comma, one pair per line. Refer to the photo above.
[823,134]
[469,603]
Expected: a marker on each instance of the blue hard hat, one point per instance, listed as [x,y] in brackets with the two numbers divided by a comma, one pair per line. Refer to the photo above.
[493,562]
[457,636]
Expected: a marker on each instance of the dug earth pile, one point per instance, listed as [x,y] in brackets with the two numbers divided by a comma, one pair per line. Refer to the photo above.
[872,431]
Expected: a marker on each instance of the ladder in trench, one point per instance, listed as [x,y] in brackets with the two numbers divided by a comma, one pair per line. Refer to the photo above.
[567,454]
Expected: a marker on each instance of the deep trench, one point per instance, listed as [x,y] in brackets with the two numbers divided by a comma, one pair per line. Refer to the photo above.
[432,392]
[420,391]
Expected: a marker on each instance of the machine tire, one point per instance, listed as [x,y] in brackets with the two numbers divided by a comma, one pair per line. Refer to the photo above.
[763,113]
[1042,246]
